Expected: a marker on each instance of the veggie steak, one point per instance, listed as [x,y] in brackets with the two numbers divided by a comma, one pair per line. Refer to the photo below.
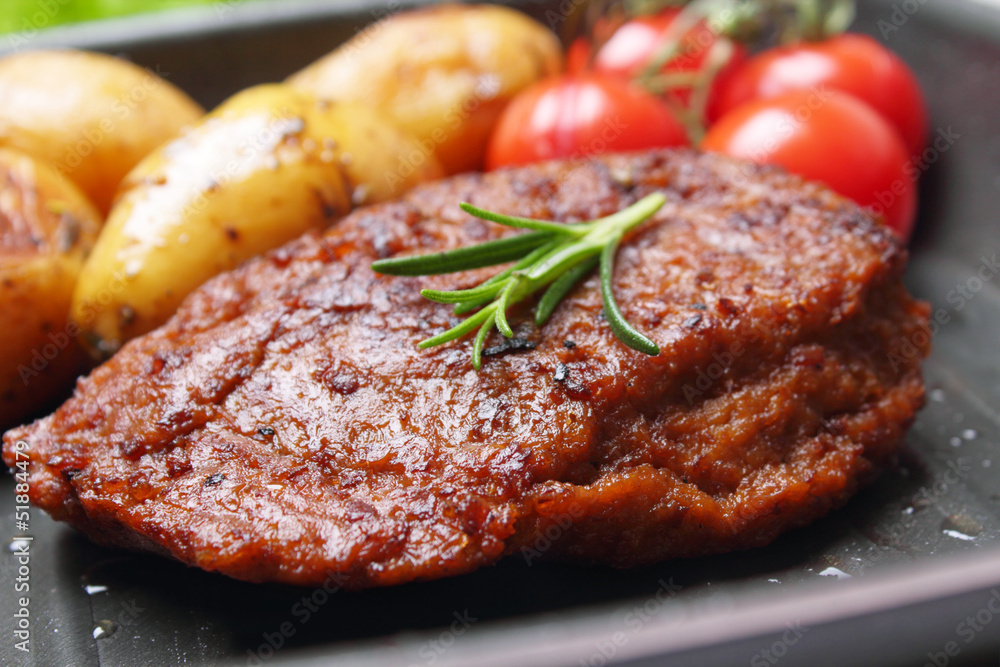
[284,426]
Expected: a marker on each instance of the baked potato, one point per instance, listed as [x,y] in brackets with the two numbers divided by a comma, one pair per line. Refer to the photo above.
[91,115]
[47,226]
[444,74]
[269,164]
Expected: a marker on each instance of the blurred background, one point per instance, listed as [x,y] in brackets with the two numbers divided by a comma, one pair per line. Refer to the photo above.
[30,15]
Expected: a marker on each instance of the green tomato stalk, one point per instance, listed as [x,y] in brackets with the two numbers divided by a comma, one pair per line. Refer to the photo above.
[754,23]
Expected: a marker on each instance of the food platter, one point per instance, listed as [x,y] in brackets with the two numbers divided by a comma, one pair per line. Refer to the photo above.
[890,579]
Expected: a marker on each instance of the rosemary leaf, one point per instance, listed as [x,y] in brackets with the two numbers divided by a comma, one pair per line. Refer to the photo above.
[459,330]
[477,345]
[483,291]
[554,255]
[490,253]
[561,259]
[469,306]
[558,289]
[531,258]
[502,302]
[634,215]
[619,326]
[575,231]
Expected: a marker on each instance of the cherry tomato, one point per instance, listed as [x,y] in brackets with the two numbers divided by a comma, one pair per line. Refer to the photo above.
[577,116]
[637,42]
[855,64]
[578,55]
[825,136]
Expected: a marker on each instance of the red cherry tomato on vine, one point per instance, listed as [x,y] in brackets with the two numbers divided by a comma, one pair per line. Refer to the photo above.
[830,137]
[638,41]
[578,116]
[854,64]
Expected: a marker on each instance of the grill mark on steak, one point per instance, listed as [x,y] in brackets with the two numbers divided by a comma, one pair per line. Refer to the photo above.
[384,463]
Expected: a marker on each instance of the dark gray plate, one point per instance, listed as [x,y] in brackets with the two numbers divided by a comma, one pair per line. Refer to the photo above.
[907,574]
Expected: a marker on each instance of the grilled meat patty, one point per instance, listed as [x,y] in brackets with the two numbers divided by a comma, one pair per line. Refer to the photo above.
[283,426]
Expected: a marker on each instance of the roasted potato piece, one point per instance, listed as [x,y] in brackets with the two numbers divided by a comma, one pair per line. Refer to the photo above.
[47,227]
[444,74]
[267,165]
[91,115]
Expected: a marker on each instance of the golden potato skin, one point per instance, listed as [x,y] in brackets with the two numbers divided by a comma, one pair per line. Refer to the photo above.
[47,227]
[266,166]
[380,160]
[444,74]
[92,115]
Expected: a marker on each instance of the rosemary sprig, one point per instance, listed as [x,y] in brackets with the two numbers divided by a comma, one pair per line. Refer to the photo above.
[553,255]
